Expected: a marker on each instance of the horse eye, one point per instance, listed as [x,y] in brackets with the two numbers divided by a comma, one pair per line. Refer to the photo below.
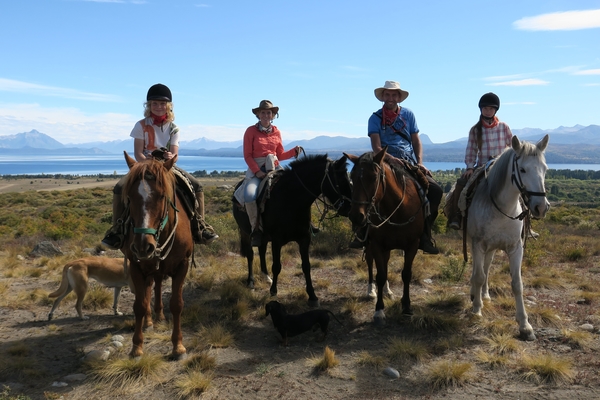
[522,170]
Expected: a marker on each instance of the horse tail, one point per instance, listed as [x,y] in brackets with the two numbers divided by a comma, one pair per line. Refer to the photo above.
[64,283]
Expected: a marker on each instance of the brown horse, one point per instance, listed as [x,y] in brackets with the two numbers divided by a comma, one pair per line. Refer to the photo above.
[159,244]
[386,201]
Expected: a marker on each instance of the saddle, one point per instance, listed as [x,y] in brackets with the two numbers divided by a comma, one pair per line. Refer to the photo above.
[418,173]
[263,193]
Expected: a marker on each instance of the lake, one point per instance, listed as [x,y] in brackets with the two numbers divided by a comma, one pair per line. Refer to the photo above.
[115,163]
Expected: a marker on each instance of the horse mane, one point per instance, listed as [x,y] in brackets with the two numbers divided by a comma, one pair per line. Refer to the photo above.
[154,170]
[500,167]
[308,160]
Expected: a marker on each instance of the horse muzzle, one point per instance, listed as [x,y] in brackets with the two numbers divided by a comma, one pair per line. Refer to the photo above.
[142,247]
[539,209]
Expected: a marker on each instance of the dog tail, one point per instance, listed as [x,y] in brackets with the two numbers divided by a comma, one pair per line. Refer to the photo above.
[333,315]
[64,283]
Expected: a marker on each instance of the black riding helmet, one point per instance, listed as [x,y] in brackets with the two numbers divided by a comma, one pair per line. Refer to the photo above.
[489,100]
[159,92]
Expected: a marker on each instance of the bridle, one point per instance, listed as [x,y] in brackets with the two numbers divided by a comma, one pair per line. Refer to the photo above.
[516,180]
[161,252]
[372,208]
[333,182]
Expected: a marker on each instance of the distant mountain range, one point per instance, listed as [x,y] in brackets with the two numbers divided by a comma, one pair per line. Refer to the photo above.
[574,145]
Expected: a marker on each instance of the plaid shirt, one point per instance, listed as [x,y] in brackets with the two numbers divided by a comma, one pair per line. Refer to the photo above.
[495,139]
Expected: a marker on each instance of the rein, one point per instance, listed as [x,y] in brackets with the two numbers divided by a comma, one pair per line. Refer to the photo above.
[372,208]
[326,207]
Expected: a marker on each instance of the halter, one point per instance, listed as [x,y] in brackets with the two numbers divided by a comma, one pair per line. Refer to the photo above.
[157,232]
[525,194]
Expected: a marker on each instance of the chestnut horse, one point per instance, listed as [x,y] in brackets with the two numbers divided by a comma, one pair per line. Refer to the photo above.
[387,202]
[158,244]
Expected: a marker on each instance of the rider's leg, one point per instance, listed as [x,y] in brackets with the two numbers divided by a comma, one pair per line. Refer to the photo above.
[207,232]
[434,195]
[115,236]
[455,217]
[250,193]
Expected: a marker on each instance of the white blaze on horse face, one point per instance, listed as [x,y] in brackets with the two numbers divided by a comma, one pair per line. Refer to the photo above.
[145,193]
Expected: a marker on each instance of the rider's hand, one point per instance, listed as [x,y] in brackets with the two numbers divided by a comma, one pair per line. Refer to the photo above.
[468,173]
[168,155]
[260,174]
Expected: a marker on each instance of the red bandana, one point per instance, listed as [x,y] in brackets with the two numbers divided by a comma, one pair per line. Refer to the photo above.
[158,121]
[493,124]
[389,117]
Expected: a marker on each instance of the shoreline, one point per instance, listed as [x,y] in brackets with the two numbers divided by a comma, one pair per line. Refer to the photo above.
[19,185]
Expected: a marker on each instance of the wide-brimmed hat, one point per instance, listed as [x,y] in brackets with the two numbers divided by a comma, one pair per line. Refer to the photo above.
[265,105]
[391,85]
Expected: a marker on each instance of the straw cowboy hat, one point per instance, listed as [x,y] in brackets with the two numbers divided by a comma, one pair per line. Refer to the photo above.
[391,85]
[265,105]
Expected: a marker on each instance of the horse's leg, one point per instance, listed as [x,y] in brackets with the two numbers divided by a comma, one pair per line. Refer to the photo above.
[371,292]
[141,309]
[409,256]
[515,257]
[477,277]
[262,254]
[381,258]
[176,305]
[248,252]
[303,245]
[158,302]
[487,262]
[276,267]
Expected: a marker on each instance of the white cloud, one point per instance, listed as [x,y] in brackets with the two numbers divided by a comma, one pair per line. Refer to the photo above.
[67,125]
[10,85]
[560,21]
[588,72]
[521,82]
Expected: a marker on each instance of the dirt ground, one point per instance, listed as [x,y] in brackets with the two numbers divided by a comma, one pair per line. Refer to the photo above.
[258,366]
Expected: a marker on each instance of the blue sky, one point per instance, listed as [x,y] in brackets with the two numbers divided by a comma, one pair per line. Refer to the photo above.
[78,70]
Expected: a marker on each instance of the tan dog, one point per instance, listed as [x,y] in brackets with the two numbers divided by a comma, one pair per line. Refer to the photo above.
[76,274]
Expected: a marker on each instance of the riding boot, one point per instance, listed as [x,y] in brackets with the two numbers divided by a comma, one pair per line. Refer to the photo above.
[203,233]
[455,217]
[427,243]
[115,235]
[254,217]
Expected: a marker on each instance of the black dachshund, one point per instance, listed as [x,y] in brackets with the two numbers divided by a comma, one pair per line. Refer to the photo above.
[290,325]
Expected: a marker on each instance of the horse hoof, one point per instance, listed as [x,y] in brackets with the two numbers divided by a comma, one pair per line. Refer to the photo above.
[407,311]
[313,303]
[528,336]
[250,285]
[379,321]
[179,357]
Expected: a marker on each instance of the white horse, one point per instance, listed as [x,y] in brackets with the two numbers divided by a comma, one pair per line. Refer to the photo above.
[495,219]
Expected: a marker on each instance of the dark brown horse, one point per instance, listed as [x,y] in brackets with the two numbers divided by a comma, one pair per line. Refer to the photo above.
[387,203]
[159,244]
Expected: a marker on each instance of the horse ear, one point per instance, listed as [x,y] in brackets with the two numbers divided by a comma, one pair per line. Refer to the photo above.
[169,163]
[380,156]
[543,143]
[130,161]
[516,143]
[352,158]
[342,161]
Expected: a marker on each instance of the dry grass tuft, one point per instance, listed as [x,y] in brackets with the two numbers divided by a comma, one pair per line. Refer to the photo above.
[503,343]
[400,348]
[443,374]
[426,319]
[494,360]
[202,361]
[581,339]
[546,368]
[215,335]
[367,359]
[541,315]
[129,372]
[327,361]
[194,383]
